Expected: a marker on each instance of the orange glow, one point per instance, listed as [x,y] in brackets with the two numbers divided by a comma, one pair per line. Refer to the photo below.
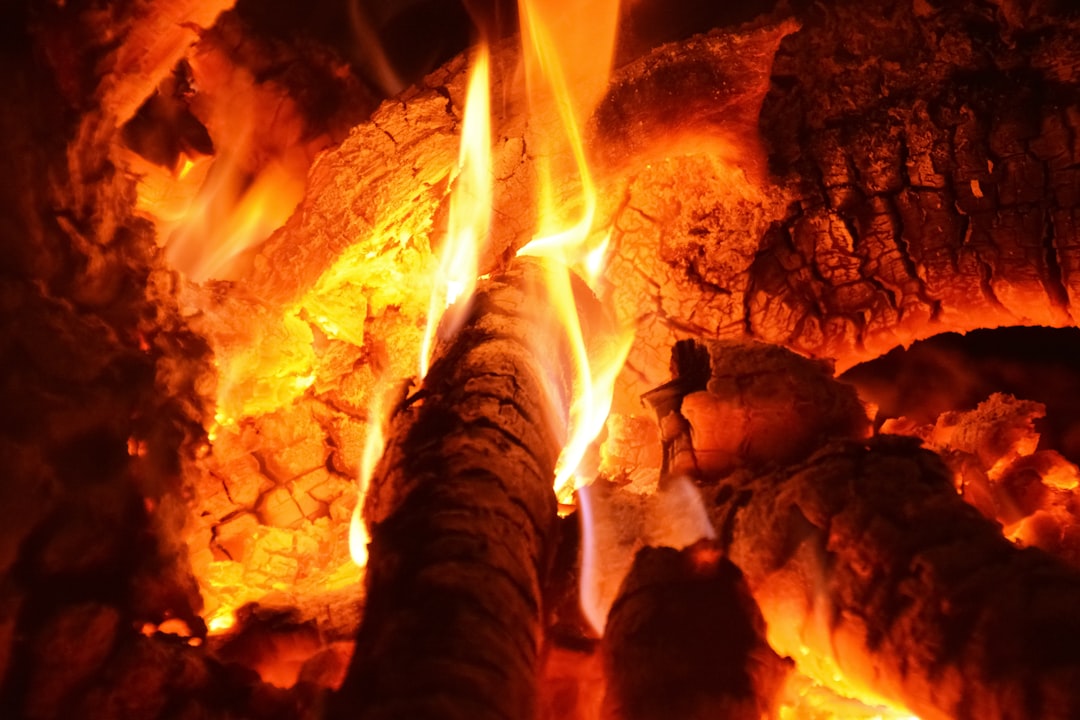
[221,621]
[593,606]
[136,447]
[804,699]
[374,442]
[230,213]
[211,210]
[470,212]
[185,168]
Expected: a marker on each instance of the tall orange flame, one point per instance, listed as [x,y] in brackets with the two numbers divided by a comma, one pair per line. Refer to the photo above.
[567,56]
[567,59]
[470,212]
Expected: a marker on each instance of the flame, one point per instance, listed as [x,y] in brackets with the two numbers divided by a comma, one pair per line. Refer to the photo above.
[229,214]
[568,52]
[210,210]
[470,211]
[567,59]
[592,604]
[374,442]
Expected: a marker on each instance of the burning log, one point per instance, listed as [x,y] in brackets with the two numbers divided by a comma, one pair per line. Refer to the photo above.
[994,456]
[461,512]
[869,567]
[685,639]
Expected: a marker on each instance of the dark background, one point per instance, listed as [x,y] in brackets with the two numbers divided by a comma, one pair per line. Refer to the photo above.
[419,35]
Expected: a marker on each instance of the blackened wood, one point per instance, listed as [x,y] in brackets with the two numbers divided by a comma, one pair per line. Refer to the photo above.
[684,639]
[866,562]
[461,511]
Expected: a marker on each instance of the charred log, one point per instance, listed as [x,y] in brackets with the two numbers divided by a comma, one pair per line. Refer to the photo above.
[685,639]
[863,556]
[462,514]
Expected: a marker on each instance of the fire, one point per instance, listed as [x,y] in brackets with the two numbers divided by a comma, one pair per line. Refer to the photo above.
[470,211]
[210,210]
[228,213]
[567,58]
[221,621]
[807,700]
[374,443]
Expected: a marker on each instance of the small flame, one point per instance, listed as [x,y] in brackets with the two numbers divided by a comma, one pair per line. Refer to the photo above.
[185,168]
[374,443]
[358,532]
[592,605]
[470,211]
[594,386]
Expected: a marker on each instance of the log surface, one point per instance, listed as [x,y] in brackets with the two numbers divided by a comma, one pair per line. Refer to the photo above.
[873,573]
[461,511]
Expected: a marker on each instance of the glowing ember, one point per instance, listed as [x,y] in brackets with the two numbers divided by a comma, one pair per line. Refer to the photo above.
[806,700]
[220,622]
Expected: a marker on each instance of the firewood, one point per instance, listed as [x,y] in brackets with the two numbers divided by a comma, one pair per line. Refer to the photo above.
[856,191]
[685,639]
[462,513]
[869,568]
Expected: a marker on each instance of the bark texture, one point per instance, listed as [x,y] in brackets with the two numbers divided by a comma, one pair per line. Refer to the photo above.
[868,566]
[461,512]
[921,178]
[865,554]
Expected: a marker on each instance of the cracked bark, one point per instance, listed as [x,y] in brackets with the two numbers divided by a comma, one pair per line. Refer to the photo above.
[913,594]
[461,511]
[865,562]
[917,166]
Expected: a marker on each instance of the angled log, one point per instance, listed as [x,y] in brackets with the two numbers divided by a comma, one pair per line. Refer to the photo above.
[461,511]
